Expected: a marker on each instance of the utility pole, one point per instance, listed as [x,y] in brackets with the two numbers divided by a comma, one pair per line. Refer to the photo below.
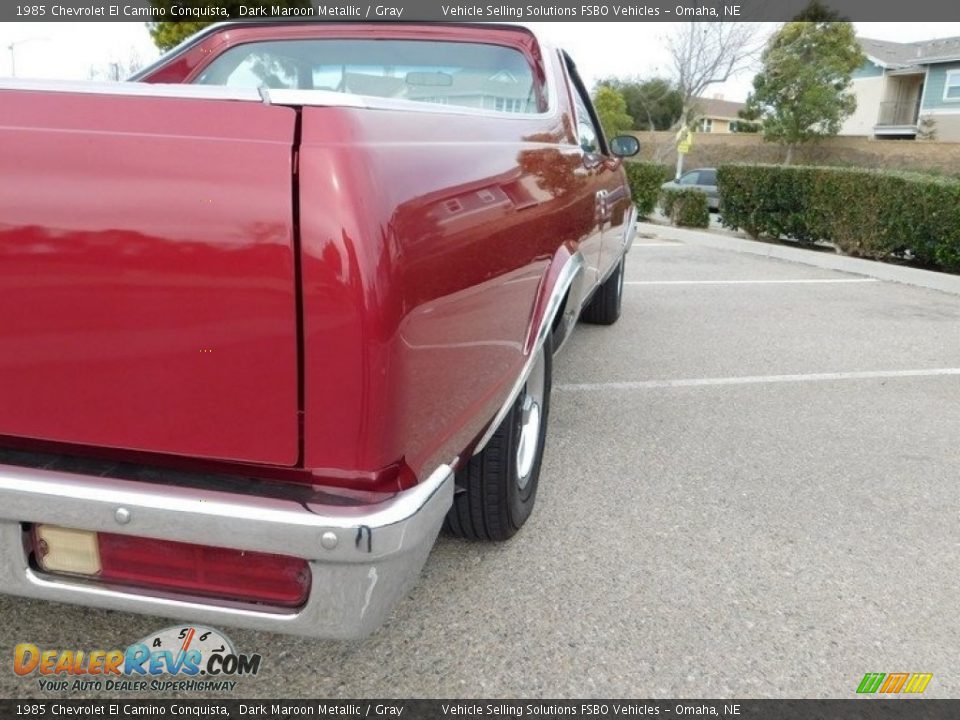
[684,141]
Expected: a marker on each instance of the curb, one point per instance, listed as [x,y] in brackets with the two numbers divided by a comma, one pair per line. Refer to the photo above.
[858,266]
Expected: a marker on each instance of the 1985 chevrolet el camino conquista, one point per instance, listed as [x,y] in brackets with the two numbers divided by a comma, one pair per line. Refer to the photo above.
[284,305]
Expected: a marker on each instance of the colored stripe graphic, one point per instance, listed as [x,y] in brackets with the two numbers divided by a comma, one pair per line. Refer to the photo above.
[894,682]
[918,682]
[870,682]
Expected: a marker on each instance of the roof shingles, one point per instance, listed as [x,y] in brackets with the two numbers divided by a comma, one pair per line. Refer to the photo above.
[719,108]
[900,55]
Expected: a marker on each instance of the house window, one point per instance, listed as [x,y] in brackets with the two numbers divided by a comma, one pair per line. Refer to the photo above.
[509,104]
[706,125]
[951,88]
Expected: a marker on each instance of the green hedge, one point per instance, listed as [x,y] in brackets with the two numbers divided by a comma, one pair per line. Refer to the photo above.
[867,213]
[645,181]
[686,208]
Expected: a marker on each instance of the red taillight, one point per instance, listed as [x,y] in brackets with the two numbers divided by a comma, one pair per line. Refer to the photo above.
[202,570]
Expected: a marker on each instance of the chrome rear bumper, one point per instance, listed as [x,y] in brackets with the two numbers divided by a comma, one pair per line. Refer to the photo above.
[363,558]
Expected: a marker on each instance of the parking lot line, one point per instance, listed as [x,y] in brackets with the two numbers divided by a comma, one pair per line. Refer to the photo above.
[757,379]
[751,282]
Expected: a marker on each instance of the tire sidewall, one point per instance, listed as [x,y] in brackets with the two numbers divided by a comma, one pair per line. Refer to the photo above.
[618,300]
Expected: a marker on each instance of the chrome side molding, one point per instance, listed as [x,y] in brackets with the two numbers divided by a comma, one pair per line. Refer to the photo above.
[133,89]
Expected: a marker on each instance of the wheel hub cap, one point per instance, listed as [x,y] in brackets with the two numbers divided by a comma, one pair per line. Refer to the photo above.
[531,417]
[529,435]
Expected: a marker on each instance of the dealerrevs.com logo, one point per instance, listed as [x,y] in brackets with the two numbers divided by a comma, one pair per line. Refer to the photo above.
[189,658]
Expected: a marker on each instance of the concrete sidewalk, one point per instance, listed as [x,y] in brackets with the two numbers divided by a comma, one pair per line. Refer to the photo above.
[871,268]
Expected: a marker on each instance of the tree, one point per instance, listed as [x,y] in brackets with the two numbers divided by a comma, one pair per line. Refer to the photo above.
[704,53]
[802,93]
[701,54]
[170,33]
[749,121]
[927,128]
[816,11]
[118,68]
[654,104]
[612,110]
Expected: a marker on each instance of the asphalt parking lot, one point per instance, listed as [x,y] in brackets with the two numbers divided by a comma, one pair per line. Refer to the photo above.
[749,490]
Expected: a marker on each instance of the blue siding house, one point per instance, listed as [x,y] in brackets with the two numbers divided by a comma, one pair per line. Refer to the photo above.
[904,89]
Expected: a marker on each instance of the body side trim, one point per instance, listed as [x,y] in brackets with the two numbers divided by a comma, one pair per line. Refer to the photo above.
[203,92]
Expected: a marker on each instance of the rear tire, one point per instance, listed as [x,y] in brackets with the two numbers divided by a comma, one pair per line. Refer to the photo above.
[605,305]
[496,489]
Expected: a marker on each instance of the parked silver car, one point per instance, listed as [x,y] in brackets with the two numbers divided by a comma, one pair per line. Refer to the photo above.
[703,179]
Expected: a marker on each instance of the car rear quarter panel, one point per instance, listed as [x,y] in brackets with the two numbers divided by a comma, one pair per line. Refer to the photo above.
[429,242]
[426,241]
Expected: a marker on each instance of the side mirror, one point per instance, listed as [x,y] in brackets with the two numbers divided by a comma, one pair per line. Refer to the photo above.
[624,146]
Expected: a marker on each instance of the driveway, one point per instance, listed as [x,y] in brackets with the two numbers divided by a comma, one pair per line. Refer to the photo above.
[749,490]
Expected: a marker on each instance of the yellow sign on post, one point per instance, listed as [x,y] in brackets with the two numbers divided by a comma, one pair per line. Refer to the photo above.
[684,143]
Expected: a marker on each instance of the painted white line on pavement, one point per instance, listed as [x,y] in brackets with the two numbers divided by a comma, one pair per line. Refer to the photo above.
[751,282]
[657,244]
[757,379]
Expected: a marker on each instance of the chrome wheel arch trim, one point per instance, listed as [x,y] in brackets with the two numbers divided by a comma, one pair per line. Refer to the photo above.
[571,272]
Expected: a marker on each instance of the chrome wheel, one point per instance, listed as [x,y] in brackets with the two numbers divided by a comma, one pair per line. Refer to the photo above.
[531,406]
[497,487]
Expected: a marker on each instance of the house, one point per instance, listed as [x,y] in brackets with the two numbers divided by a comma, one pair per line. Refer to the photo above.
[716,115]
[903,89]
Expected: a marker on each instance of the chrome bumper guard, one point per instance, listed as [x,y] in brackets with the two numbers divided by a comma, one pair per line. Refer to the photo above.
[363,558]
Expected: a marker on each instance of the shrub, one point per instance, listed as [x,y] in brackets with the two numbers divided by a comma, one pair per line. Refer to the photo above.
[645,181]
[765,201]
[867,213]
[686,207]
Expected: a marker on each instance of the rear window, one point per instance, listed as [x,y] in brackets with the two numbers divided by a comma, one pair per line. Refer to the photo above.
[473,75]
[708,177]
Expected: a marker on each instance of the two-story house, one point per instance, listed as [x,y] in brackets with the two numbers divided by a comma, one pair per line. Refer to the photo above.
[902,84]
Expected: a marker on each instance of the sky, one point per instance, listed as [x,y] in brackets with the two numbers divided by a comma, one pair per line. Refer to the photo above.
[69,50]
